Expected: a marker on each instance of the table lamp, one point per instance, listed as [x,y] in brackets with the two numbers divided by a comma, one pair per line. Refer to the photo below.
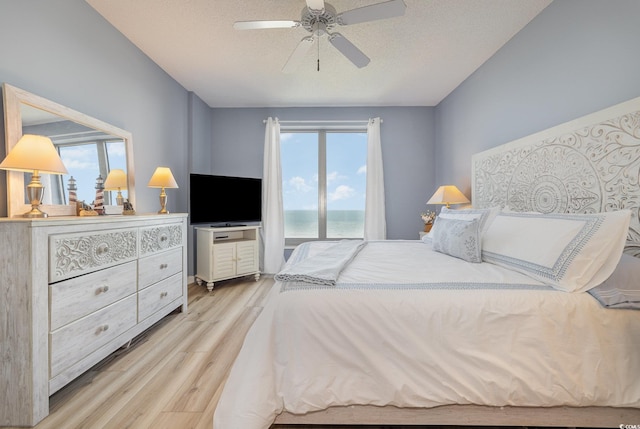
[116,181]
[162,178]
[448,194]
[34,154]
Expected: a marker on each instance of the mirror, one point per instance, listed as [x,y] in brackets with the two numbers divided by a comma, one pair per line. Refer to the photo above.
[87,146]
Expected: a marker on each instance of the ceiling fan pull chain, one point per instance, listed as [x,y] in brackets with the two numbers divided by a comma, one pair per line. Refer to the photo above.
[318,54]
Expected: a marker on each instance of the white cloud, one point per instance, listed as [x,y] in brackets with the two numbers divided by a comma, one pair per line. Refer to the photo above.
[299,184]
[362,170]
[79,158]
[335,176]
[342,192]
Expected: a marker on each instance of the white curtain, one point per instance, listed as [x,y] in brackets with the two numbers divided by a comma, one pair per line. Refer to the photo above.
[375,223]
[272,209]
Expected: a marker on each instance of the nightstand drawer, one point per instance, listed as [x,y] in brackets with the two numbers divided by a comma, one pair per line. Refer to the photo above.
[157,267]
[72,342]
[159,295]
[77,297]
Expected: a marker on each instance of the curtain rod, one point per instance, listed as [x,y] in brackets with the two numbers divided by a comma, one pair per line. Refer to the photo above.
[359,121]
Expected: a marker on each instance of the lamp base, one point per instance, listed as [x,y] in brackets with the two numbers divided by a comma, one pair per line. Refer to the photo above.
[35,192]
[163,202]
[35,213]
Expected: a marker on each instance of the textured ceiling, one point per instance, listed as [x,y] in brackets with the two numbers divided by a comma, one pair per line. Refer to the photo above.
[416,59]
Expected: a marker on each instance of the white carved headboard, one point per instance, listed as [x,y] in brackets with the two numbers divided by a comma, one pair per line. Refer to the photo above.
[588,165]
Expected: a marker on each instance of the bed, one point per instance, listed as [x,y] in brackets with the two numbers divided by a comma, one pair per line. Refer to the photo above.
[521,311]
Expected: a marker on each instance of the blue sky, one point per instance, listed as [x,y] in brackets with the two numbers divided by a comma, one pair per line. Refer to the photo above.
[346,170]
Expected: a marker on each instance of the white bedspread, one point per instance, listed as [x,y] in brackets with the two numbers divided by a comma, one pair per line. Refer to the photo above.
[410,327]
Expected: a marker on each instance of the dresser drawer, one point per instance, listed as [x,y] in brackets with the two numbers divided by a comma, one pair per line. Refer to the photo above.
[77,297]
[157,267]
[71,255]
[160,238]
[159,295]
[76,340]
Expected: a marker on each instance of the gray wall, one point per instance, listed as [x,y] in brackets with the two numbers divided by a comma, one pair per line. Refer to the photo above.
[65,51]
[575,58]
[407,135]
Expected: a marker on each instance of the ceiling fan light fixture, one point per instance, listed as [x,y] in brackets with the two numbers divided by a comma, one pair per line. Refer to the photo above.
[315,5]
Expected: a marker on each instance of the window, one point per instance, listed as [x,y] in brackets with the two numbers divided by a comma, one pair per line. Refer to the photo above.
[323,184]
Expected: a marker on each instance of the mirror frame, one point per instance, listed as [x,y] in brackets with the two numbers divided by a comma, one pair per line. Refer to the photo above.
[13,98]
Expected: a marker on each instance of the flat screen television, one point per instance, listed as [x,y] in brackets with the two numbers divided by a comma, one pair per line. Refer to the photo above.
[225,200]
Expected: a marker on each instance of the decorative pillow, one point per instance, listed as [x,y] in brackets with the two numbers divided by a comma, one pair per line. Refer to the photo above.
[622,288]
[484,216]
[459,238]
[570,252]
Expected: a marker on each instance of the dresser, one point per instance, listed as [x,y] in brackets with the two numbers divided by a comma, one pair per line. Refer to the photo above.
[75,289]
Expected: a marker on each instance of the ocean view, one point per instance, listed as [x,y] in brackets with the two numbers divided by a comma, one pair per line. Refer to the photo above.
[340,223]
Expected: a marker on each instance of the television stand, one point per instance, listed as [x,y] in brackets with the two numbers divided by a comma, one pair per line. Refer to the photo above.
[224,253]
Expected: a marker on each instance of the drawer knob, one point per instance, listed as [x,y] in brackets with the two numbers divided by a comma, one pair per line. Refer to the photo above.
[164,238]
[102,289]
[163,294]
[102,329]
[103,248]
[163,266]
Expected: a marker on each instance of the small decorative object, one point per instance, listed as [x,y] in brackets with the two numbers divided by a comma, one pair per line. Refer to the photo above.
[428,217]
[128,208]
[99,201]
[73,198]
[86,210]
[116,181]
[34,154]
[162,178]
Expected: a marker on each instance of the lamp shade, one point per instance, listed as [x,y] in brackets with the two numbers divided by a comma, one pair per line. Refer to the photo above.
[162,178]
[448,194]
[34,152]
[116,180]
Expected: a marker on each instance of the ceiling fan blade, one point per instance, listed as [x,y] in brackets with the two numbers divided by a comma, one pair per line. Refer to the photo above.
[349,50]
[260,25]
[298,54]
[387,9]
[315,4]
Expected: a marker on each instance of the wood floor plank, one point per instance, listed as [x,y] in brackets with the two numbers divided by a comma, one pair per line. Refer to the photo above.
[174,420]
[151,399]
[205,380]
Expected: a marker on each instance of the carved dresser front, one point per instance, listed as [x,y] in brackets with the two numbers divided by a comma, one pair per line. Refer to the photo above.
[73,291]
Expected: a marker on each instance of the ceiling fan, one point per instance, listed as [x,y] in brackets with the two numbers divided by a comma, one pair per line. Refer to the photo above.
[320,19]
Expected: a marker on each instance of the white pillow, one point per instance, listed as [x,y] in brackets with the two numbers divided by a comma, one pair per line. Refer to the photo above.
[484,216]
[458,238]
[570,252]
[622,288]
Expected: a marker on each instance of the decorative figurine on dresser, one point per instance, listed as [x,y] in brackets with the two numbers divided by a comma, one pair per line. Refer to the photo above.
[74,288]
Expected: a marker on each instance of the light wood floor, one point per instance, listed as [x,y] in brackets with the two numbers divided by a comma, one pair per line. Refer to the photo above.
[172,376]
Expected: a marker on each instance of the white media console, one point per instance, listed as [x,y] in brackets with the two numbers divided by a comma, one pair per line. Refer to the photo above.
[225,253]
